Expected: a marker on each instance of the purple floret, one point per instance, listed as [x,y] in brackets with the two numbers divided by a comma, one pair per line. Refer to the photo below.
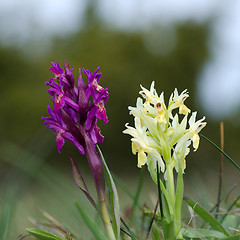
[56,69]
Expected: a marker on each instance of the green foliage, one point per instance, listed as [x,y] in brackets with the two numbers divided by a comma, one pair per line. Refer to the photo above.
[168,229]
[42,235]
[179,193]
[114,200]
[230,208]
[93,227]
[206,216]
[68,237]
[133,229]
[195,233]
[4,222]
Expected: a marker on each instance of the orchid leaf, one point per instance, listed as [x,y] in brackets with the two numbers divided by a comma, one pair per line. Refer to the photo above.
[168,229]
[80,181]
[155,234]
[42,235]
[91,224]
[206,216]
[113,197]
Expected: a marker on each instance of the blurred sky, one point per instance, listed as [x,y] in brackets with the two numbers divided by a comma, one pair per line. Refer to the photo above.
[219,81]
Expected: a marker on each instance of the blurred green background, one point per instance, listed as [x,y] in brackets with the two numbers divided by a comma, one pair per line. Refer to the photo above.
[173,55]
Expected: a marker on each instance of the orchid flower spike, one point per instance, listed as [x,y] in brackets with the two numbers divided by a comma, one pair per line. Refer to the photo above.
[157,135]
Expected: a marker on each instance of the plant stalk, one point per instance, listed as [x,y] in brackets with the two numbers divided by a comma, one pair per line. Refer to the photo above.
[172,197]
[105,215]
[171,188]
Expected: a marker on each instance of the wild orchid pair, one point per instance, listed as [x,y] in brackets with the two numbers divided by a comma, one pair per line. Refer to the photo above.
[161,138]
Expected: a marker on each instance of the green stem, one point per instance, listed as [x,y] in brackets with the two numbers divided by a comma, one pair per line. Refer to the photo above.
[171,188]
[105,215]
[178,203]
[172,201]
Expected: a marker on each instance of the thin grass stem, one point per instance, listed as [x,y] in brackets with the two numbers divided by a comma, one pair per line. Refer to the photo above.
[220,169]
[230,159]
[151,223]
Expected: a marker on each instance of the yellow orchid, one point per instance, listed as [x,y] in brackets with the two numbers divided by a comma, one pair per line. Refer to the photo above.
[159,135]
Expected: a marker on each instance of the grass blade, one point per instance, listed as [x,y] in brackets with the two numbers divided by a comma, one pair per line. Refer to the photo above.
[206,216]
[196,233]
[5,221]
[42,235]
[93,227]
[113,198]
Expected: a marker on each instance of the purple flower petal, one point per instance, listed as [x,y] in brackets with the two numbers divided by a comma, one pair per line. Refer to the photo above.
[68,77]
[60,141]
[56,69]
[82,99]
[101,112]
[95,135]
[91,118]
[72,127]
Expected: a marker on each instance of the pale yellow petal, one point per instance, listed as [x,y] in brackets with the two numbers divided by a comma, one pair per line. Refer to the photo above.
[195,139]
[142,158]
[183,109]
[134,148]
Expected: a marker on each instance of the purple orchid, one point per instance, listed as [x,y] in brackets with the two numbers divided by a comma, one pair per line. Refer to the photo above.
[75,113]
[76,109]
[74,118]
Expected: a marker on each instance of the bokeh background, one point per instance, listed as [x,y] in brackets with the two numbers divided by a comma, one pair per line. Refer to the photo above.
[178,44]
